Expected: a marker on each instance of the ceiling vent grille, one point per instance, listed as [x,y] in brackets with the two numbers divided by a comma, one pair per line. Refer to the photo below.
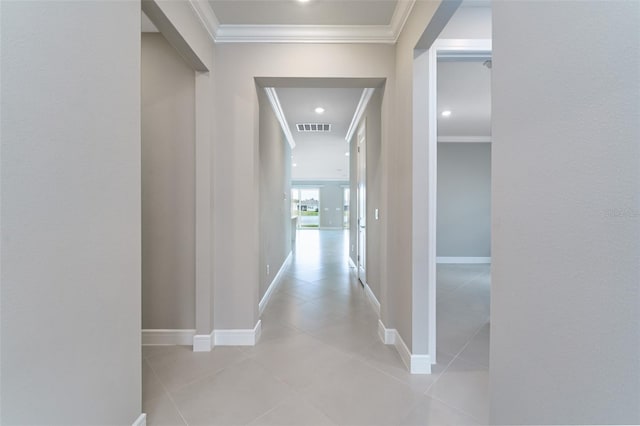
[313,127]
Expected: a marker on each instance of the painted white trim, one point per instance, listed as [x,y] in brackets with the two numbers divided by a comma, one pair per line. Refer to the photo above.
[400,16]
[238,337]
[372,298]
[159,337]
[464,139]
[416,364]
[448,259]
[459,47]
[141,420]
[203,342]
[360,109]
[432,191]
[330,228]
[441,48]
[208,19]
[277,110]
[221,33]
[305,34]
[274,284]
[387,335]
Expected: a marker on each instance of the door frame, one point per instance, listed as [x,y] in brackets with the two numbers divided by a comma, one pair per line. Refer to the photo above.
[361,204]
[426,80]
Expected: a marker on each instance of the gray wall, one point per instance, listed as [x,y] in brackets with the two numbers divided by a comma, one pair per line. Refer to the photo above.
[275,195]
[464,200]
[565,335]
[236,171]
[373,117]
[70,173]
[331,196]
[168,187]
[400,312]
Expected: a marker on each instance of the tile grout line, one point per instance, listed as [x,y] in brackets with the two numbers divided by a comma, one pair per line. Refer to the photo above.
[455,357]
[216,372]
[168,394]
[451,293]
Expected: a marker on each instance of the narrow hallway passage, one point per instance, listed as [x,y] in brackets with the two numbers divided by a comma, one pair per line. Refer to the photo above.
[319,360]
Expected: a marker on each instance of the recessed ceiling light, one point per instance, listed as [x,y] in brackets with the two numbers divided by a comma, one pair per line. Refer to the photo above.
[294,165]
[303,1]
[446,113]
[347,154]
[319,110]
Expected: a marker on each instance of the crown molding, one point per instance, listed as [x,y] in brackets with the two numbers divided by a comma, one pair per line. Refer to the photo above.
[209,19]
[400,16]
[360,109]
[277,110]
[220,33]
[304,34]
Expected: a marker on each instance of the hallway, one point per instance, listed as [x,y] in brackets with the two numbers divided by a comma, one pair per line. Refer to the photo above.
[320,361]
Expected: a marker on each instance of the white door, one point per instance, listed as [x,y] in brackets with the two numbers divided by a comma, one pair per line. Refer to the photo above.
[362,203]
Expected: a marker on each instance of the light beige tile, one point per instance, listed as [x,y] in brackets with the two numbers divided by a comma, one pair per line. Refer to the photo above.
[276,330]
[357,394]
[300,361]
[179,368]
[151,386]
[294,411]
[431,412]
[464,386]
[236,395]
[158,350]
[386,359]
[162,412]
[350,336]
[477,350]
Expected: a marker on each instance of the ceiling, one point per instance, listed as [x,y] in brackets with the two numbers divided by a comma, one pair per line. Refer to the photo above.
[320,156]
[464,88]
[294,21]
[314,12]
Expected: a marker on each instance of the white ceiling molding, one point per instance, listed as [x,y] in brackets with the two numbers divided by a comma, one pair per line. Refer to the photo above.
[362,106]
[207,17]
[303,33]
[400,16]
[277,109]
[464,139]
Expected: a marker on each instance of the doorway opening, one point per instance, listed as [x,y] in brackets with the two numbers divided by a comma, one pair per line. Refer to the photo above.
[463,216]
[315,158]
[308,207]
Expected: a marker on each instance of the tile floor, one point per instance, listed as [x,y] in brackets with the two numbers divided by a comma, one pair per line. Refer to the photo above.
[320,362]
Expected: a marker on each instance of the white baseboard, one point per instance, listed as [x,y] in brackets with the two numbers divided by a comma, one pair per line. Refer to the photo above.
[331,228]
[231,337]
[274,284]
[141,420]
[445,259]
[157,337]
[238,337]
[203,342]
[372,299]
[416,364]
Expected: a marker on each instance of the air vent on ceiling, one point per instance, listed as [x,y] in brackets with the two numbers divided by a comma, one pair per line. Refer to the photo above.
[313,127]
